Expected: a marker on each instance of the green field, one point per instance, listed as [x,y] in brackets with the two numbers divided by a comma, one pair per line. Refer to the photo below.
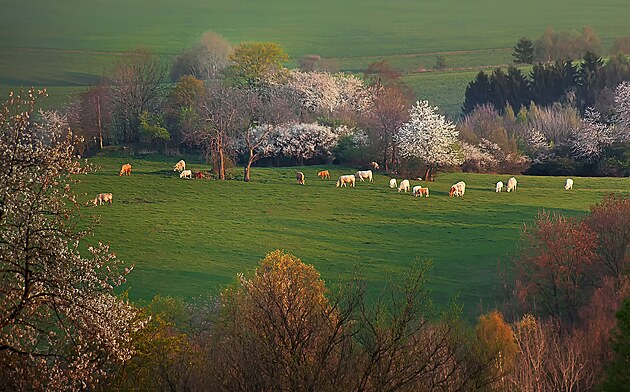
[189,237]
[69,43]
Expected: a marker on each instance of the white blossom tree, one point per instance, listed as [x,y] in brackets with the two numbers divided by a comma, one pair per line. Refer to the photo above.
[60,322]
[430,137]
[622,109]
[323,92]
[590,139]
[302,141]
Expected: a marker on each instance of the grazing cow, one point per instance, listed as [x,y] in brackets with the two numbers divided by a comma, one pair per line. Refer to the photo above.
[457,189]
[103,198]
[185,174]
[392,183]
[180,166]
[418,190]
[125,169]
[569,184]
[374,165]
[404,186]
[345,180]
[499,187]
[367,174]
[300,178]
[323,174]
[511,185]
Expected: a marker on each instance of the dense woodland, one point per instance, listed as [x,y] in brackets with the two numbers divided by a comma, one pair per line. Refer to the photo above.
[565,320]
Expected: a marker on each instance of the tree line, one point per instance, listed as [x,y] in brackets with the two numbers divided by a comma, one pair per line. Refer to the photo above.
[242,105]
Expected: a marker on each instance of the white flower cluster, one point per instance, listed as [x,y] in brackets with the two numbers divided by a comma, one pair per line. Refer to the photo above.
[53,298]
[323,92]
[429,136]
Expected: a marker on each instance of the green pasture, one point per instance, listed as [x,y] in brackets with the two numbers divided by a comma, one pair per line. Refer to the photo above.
[70,43]
[189,237]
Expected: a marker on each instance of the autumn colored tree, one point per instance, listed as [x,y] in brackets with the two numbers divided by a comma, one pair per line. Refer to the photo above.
[278,330]
[555,269]
[498,338]
[610,219]
[61,324]
[255,62]
[180,115]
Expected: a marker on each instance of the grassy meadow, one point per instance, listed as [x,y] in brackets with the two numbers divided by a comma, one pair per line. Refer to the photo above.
[65,45]
[190,237]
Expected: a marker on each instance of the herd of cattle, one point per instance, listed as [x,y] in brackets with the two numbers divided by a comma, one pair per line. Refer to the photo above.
[457,190]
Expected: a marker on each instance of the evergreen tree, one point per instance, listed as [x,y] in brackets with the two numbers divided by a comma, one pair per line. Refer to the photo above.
[518,93]
[499,89]
[590,80]
[477,92]
[523,51]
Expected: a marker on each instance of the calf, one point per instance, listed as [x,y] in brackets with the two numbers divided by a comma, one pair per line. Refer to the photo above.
[185,174]
[420,191]
[323,174]
[300,178]
[392,183]
[499,187]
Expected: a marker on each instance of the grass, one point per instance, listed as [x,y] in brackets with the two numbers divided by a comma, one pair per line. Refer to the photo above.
[190,237]
[72,42]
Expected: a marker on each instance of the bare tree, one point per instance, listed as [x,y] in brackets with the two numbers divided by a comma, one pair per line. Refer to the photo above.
[204,60]
[138,85]
[390,110]
[90,114]
[223,115]
[60,323]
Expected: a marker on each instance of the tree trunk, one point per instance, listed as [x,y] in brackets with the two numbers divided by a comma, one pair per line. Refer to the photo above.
[98,118]
[221,163]
[247,169]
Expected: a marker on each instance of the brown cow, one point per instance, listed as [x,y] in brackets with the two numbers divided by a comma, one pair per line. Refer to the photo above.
[323,174]
[126,169]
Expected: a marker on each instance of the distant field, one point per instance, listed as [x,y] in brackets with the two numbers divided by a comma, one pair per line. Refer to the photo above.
[189,237]
[72,42]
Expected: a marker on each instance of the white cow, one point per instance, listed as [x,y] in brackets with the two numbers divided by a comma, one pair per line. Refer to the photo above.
[404,186]
[180,166]
[367,174]
[345,180]
[185,174]
[569,184]
[499,187]
[457,189]
[392,183]
[511,185]
[375,165]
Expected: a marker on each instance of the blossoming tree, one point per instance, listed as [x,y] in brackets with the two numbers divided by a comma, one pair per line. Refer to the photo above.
[60,322]
[430,137]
